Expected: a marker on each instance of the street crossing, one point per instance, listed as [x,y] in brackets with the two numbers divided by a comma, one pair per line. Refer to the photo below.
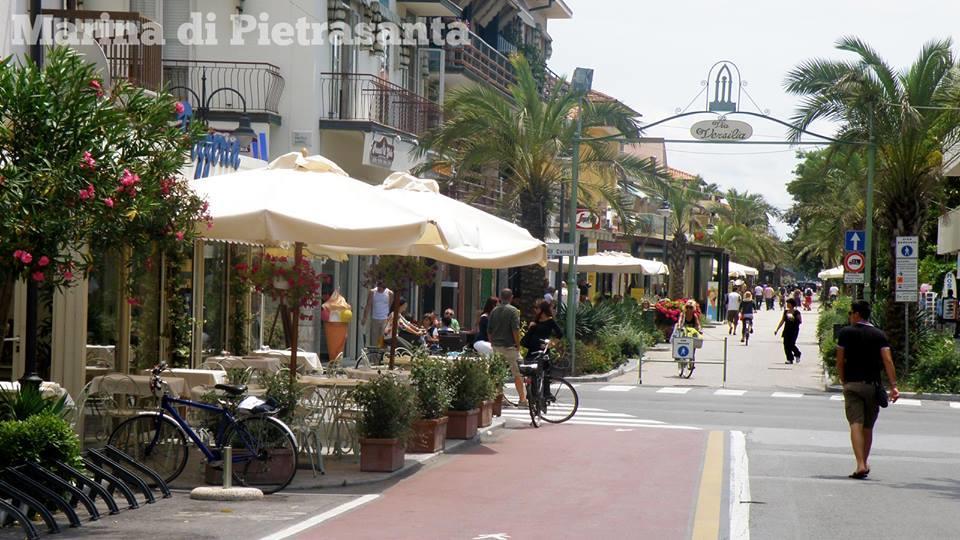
[587,416]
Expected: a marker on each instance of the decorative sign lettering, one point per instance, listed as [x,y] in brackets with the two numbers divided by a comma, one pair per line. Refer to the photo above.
[721,129]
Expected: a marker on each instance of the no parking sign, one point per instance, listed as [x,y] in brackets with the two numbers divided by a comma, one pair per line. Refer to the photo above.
[683,348]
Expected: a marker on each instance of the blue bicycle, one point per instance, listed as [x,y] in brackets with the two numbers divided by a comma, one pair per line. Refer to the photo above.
[264,448]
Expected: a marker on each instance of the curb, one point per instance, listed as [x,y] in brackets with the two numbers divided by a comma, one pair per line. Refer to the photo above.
[631,365]
[410,466]
[836,389]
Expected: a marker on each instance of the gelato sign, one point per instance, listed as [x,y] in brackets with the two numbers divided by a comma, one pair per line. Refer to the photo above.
[721,130]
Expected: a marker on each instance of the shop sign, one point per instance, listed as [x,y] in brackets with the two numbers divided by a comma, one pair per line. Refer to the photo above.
[587,219]
[382,150]
[721,129]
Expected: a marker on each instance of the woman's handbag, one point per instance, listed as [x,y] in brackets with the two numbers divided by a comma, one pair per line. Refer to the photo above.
[881,395]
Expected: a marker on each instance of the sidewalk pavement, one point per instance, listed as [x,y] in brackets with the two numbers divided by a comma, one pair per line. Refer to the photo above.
[759,365]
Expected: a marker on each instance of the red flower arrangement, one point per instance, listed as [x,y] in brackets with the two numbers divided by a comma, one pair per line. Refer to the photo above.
[671,309]
[283,281]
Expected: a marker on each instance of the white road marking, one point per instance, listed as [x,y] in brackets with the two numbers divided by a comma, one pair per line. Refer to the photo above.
[653,426]
[599,420]
[616,388]
[673,390]
[909,402]
[836,398]
[739,487]
[954,405]
[320,518]
[622,430]
[725,392]
[786,395]
[494,536]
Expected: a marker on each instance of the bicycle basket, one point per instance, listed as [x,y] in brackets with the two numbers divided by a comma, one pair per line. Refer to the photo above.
[529,370]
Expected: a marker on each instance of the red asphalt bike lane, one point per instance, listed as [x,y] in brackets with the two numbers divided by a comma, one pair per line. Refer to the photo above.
[566,481]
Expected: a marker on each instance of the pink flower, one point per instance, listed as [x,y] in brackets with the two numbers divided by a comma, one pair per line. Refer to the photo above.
[129,179]
[44,261]
[109,202]
[95,84]
[88,161]
[17,254]
[180,235]
[37,276]
[68,276]
[87,194]
[178,107]
[26,258]
[133,301]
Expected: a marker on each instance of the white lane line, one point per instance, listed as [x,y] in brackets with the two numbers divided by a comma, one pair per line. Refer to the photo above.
[597,421]
[725,392]
[786,395]
[954,405]
[320,518]
[651,426]
[739,487]
[908,402]
[580,414]
[836,398]
[673,390]
[616,388]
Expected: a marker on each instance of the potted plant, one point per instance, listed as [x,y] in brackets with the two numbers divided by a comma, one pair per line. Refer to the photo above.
[388,410]
[469,381]
[431,382]
[499,374]
[488,397]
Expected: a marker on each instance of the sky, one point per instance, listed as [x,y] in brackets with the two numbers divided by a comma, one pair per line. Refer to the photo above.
[653,55]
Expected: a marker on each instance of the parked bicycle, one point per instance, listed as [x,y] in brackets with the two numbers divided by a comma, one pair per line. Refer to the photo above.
[549,397]
[264,448]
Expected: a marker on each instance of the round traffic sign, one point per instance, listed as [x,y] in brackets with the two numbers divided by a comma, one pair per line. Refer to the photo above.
[853,262]
[683,351]
[906,251]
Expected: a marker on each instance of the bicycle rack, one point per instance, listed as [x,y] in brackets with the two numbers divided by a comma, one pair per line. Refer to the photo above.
[118,455]
[28,503]
[92,488]
[100,458]
[10,513]
[115,483]
[78,496]
[42,493]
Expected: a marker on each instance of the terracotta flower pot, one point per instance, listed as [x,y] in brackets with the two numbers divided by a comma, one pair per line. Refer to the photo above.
[486,412]
[463,424]
[381,455]
[428,436]
[498,406]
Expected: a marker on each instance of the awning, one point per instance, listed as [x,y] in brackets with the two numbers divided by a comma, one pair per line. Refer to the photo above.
[742,270]
[948,232]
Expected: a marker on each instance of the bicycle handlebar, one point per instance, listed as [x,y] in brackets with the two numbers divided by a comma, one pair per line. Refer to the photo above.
[156,383]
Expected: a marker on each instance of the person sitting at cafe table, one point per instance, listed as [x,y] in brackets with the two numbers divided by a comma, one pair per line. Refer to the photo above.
[446,327]
[454,323]
[406,329]
[431,337]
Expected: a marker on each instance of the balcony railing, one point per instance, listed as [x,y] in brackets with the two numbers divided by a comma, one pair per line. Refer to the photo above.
[361,97]
[505,46]
[260,84]
[479,58]
[128,57]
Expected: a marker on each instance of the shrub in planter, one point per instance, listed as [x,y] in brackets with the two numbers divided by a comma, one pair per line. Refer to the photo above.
[500,374]
[470,382]
[44,438]
[388,410]
[592,359]
[431,380]
[937,368]
[287,396]
[29,401]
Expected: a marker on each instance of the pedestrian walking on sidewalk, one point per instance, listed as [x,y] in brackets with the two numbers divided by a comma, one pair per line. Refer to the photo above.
[790,322]
[768,294]
[503,328]
[861,351]
[733,310]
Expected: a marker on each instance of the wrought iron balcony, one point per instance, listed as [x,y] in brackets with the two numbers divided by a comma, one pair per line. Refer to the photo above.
[128,57]
[357,97]
[260,84]
[482,61]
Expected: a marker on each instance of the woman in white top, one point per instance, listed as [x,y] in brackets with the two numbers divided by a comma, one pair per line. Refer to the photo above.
[403,325]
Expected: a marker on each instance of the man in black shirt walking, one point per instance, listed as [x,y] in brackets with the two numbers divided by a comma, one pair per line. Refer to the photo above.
[862,351]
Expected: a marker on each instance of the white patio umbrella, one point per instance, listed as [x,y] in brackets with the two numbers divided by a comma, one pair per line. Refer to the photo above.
[741,270]
[616,262]
[832,273]
[309,200]
[473,238]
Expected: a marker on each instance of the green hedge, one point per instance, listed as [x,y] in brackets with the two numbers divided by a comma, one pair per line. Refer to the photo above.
[43,438]
[937,365]
[837,314]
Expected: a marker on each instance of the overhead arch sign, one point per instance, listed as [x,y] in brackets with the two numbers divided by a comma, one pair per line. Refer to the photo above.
[721,129]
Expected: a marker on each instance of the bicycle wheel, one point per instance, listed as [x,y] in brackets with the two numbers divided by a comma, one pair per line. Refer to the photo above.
[533,402]
[563,402]
[270,461]
[154,440]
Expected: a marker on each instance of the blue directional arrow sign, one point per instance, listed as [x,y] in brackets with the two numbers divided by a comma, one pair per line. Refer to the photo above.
[854,240]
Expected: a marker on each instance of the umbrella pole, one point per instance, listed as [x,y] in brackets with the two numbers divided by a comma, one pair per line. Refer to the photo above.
[394,331]
[295,320]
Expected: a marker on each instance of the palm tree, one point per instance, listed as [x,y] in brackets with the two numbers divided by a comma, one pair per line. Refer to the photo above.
[911,114]
[527,139]
[683,200]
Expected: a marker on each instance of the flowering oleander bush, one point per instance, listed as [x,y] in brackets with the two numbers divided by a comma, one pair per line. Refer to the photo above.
[671,309]
[284,281]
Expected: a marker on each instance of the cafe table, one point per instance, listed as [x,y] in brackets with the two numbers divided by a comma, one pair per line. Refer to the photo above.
[194,377]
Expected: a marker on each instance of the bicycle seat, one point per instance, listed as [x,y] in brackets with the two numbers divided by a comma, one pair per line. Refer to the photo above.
[232,389]
[529,369]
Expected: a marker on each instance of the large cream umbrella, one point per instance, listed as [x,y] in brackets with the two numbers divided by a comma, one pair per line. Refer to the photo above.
[472,238]
[741,270]
[616,262]
[309,200]
[832,273]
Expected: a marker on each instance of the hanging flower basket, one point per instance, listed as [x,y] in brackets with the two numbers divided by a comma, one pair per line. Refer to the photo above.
[283,281]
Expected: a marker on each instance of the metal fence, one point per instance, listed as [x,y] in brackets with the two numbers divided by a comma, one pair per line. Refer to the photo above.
[260,83]
[362,97]
[699,360]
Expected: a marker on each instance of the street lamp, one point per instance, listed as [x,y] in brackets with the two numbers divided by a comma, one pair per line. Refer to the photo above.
[665,212]
[244,132]
[581,85]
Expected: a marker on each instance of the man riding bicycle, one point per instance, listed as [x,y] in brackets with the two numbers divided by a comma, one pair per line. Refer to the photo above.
[747,308]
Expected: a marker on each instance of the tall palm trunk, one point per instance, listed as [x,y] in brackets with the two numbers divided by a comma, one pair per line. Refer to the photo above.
[902,217]
[534,220]
[678,262]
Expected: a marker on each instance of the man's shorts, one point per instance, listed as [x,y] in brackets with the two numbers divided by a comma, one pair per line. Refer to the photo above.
[512,355]
[860,403]
[733,315]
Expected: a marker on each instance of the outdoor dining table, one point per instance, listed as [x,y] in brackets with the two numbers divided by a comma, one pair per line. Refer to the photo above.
[328,406]
[306,361]
[195,377]
[133,385]
[261,363]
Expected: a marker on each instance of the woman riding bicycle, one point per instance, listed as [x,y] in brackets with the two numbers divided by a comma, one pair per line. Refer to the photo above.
[541,329]
[747,308]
